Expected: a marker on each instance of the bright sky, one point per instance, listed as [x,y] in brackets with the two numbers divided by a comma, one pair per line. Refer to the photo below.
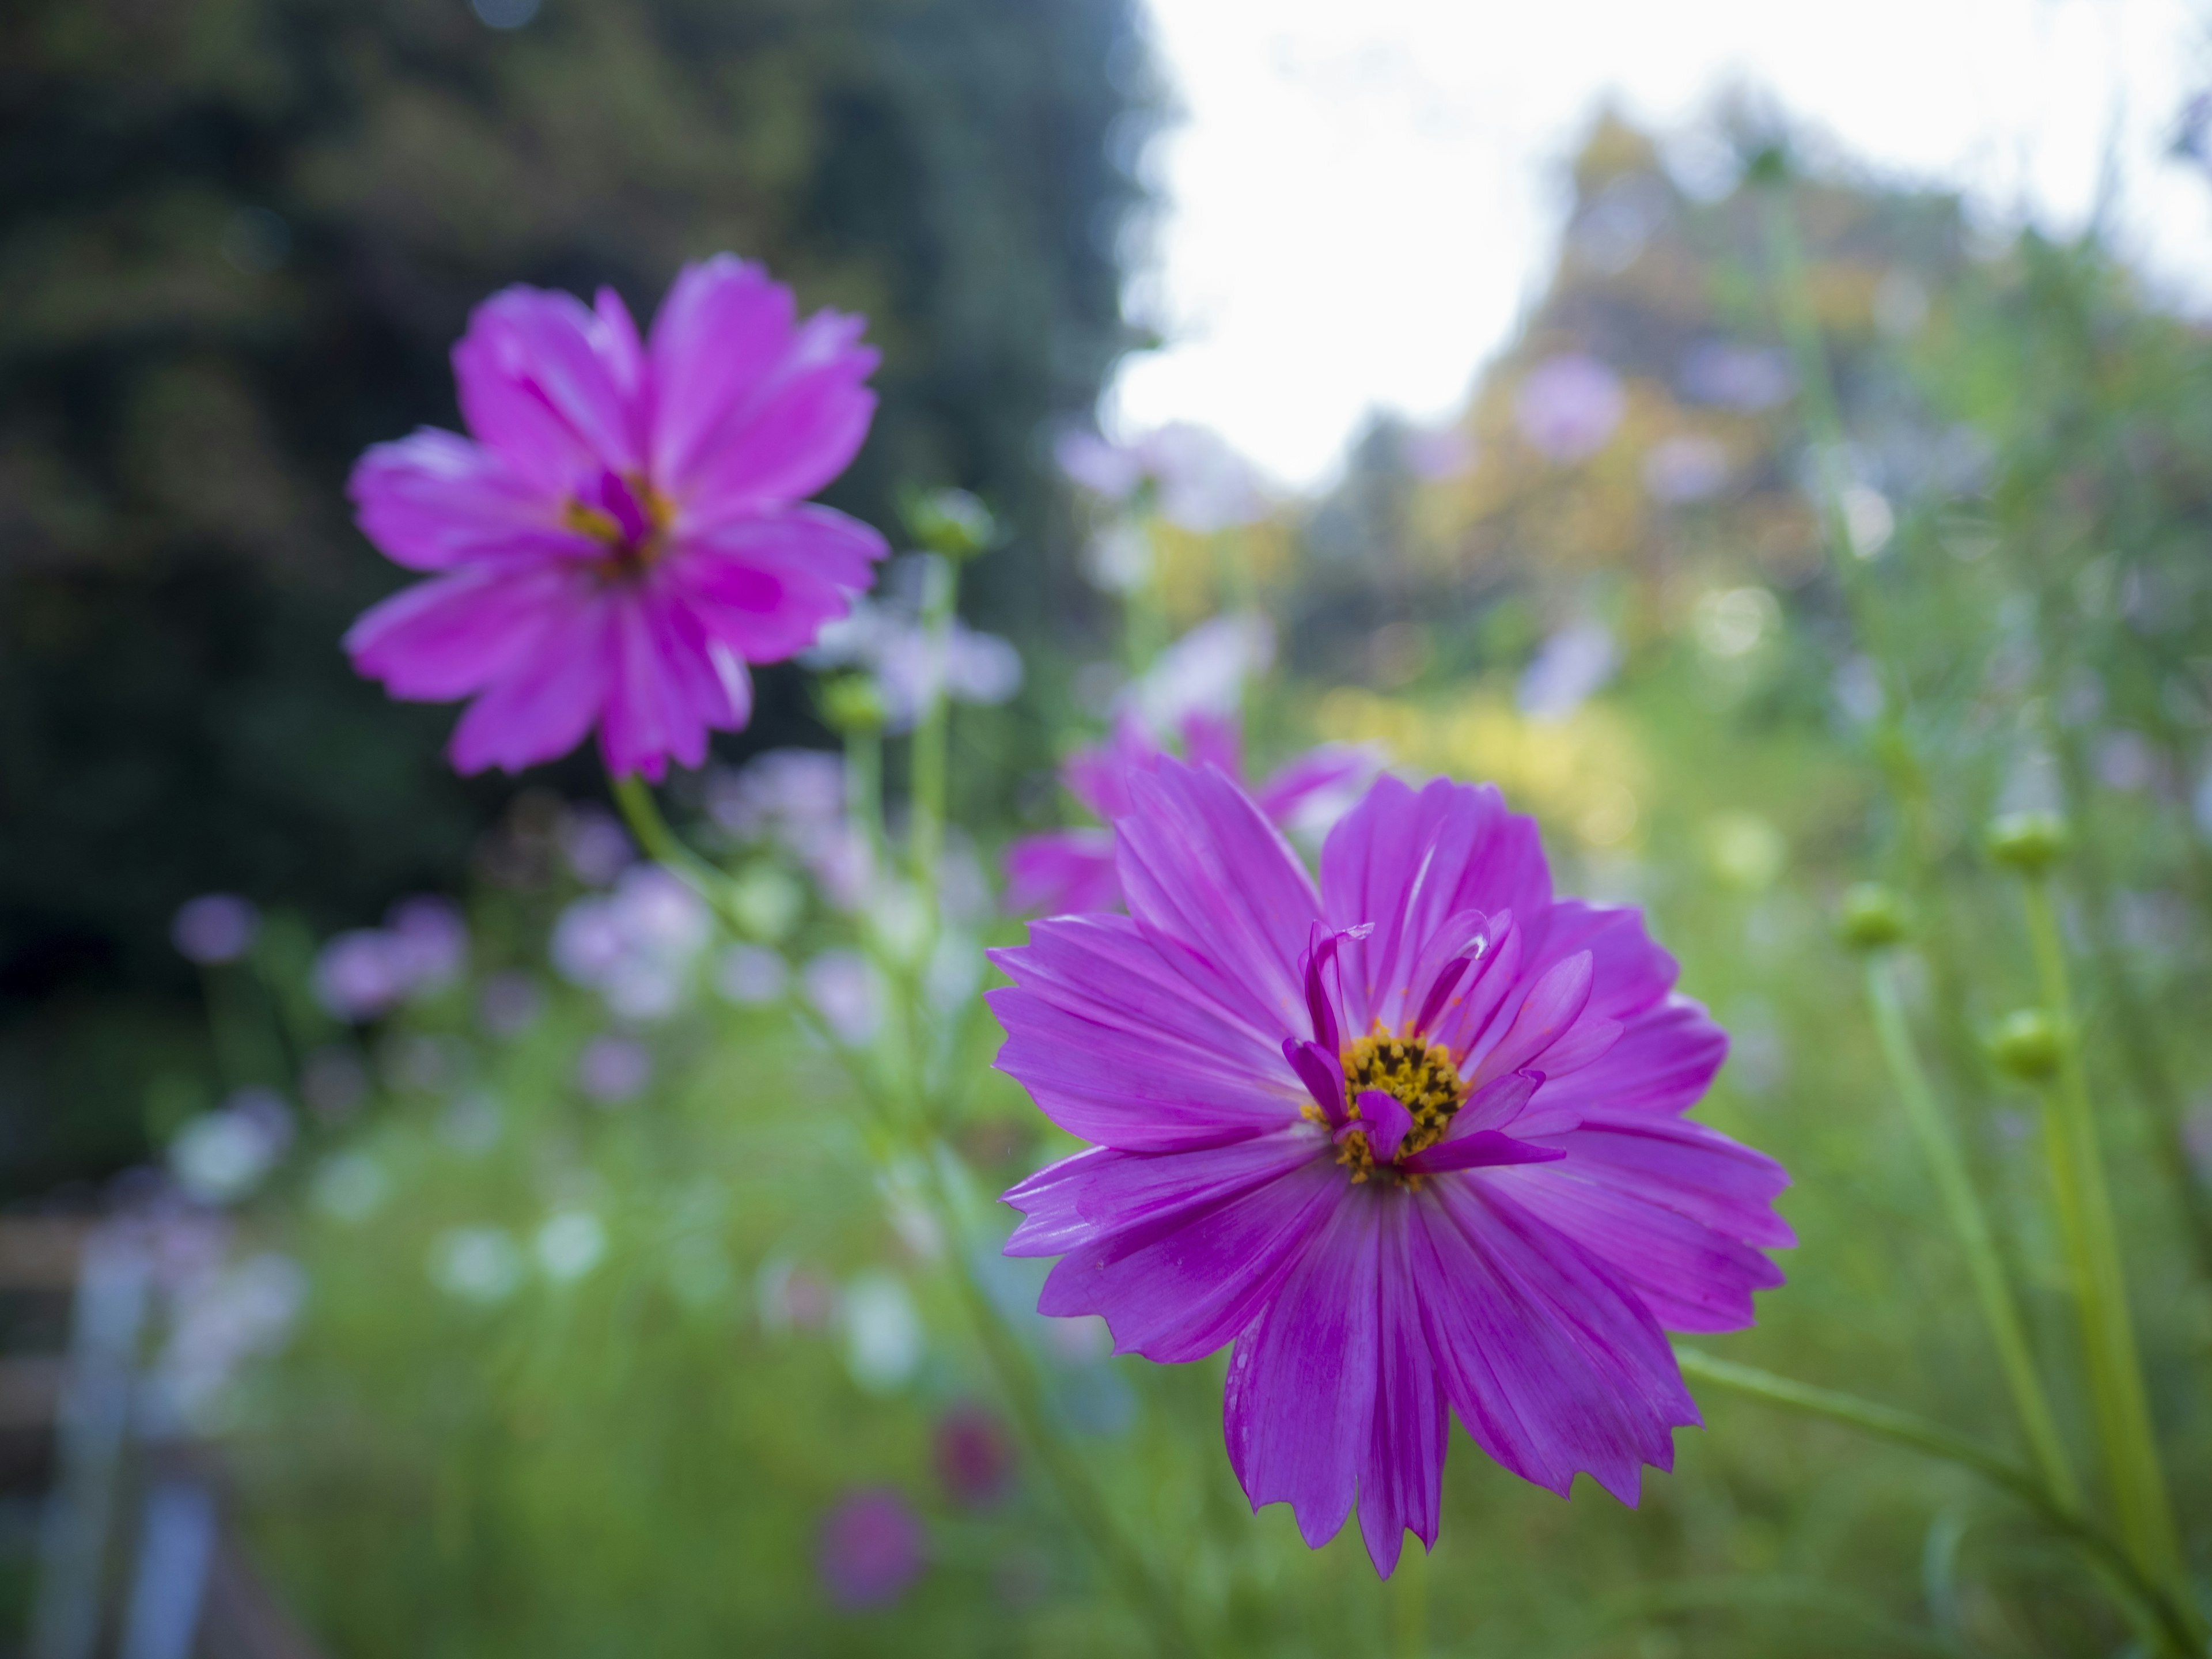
[1364,197]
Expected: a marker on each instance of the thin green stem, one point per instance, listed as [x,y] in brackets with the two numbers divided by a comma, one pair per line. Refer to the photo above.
[2180,1627]
[634,799]
[928,780]
[1970,1223]
[2114,1364]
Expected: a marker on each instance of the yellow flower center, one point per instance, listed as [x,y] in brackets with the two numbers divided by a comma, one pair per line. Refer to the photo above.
[1422,1076]
[635,533]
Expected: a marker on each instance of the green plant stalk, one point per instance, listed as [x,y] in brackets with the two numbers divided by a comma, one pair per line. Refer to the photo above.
[1970,1223]
[2085,1206]
[929,779]
[2179,1627]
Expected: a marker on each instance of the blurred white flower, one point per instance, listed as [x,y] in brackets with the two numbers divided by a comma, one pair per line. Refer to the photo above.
[349,1186]
[636,945]
[1205,672]
[570,1244]
[786,795]
[1733,622]
[883,1338]
[911,667]
[842,986]
[1118,559]
[222,1156]
[1570,667]
[476,1264]
[1203,484]
[750,976]
[1868,517]
[215,928]
[1568,407]
[222,1320]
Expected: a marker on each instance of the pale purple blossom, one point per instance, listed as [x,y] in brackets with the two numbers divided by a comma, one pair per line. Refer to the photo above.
[637,945]
[1204,672]
[1568,407]
[1200,482]
[1686,468]
[870,1551]
[844,988]
[215,928]
[750,976]
[1569,668]
[613,1070]
[1745,378]
[595,845]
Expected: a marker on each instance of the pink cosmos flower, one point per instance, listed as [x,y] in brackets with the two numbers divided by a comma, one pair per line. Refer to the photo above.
[625,529]
[1412,1140]
[1066,870]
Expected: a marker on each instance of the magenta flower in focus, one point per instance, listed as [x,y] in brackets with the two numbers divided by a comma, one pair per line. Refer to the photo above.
[870,1549]
[625,529]
[1063,871]
[1412,1140]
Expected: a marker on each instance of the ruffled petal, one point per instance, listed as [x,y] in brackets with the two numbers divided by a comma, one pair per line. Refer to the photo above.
[1177,1252]
[1115,1046]
[1679,1212]
[1401,1472]
[1663,1062]
[1061,872]
[547,701]
[1216,888]
[1553,1365]
[749,410]
[671,685]
[767,584]
[458,633]
[1407,861]
[1629,971]
[436,500]
[1299,1409]
[537,377]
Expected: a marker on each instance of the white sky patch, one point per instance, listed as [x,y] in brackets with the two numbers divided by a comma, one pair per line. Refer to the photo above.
[1363,199]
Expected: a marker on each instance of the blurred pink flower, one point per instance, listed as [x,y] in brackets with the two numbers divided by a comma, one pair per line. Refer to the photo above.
[974,1455]
[870,1549]
[1203,485]
[1569,406]
[1071,872]
[623,531]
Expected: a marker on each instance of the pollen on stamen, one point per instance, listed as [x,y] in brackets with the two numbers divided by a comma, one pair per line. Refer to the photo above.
[1423,1076]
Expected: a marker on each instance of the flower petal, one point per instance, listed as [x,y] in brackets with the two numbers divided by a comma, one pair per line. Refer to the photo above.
[1061,872]
[1406,862]
[434,500]
[1331,766]
[767,584]
[1663,1062]
[1116,1047]
[1679,1211]
[1299,1408]
[1213,884]
[546,701]
[669,687]
[1554,1367]
[458,633]
[1548,1012]
[1402,1471]
[1177,1252]
[537,373]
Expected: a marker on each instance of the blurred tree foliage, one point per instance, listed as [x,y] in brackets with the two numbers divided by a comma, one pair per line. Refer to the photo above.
[237,238]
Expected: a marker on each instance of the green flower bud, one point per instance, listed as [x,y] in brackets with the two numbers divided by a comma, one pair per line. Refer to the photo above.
[2028,1044]
[950,523]
[851,702]
[2030,843]
[1872,917]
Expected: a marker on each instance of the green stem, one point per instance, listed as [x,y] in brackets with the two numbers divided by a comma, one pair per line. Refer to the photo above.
[1070,1476]
[2092,1239]
[927,804]
[2179,1626]
[634,799]
[1970,1223]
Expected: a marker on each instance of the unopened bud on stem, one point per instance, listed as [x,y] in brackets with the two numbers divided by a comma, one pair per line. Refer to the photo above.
[2030,843]
[851,702]
[950,523]
[1872,917]
[2028,1044]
